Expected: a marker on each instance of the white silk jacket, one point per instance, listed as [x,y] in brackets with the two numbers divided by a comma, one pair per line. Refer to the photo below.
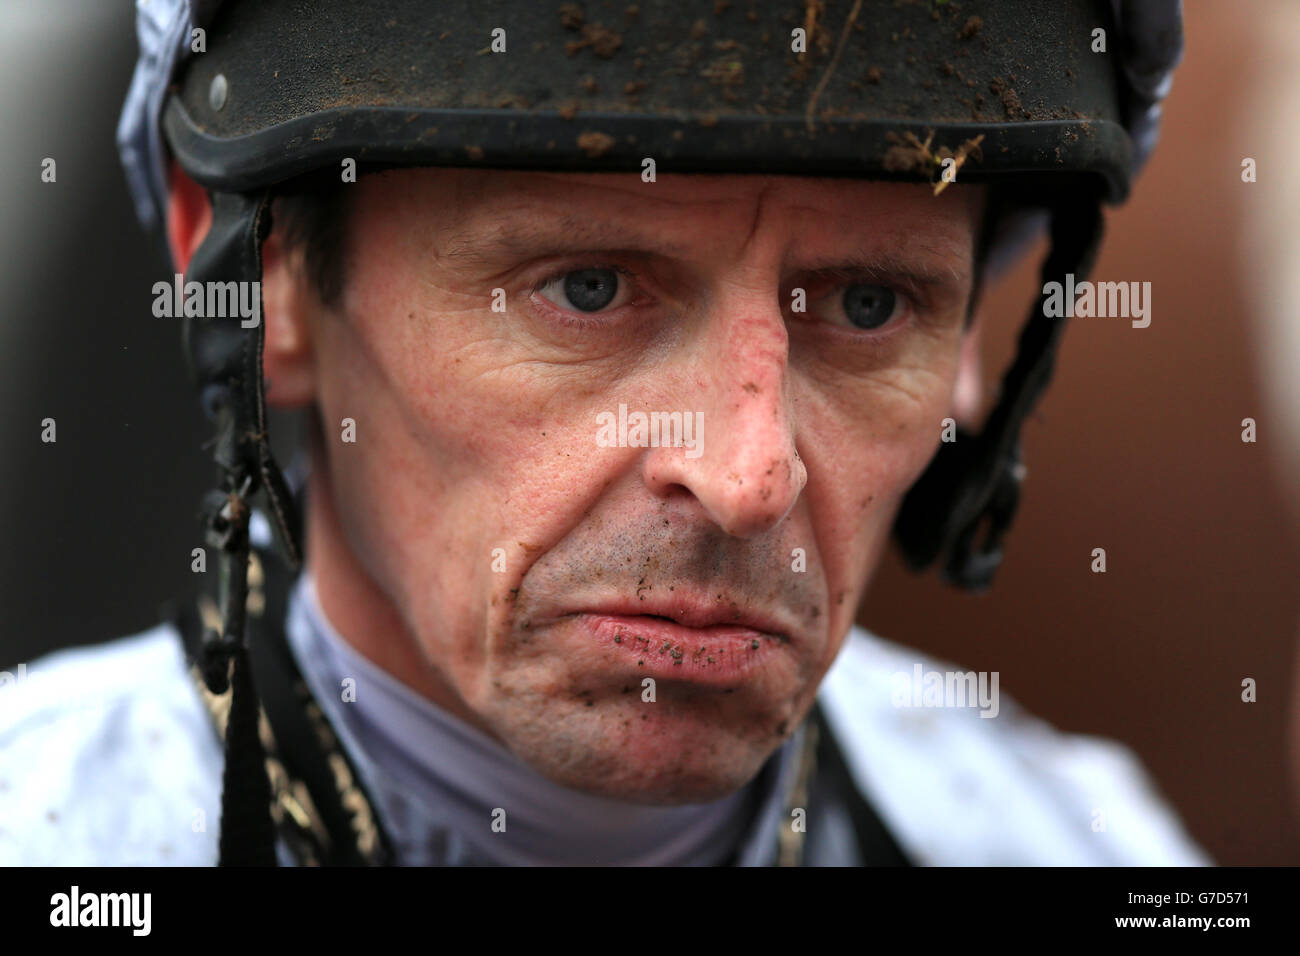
[108,757]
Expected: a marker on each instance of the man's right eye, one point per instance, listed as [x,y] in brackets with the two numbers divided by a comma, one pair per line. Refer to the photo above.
[586,290]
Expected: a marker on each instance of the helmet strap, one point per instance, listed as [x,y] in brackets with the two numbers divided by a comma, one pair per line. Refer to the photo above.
[225,357]
[973,483]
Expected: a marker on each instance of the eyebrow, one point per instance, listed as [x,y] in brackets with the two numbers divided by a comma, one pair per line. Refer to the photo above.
[929,270]
[507,238]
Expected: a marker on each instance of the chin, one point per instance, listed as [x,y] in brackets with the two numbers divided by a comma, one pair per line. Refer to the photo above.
[661,754]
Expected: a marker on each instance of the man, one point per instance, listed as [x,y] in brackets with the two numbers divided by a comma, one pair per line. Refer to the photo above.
[614,406]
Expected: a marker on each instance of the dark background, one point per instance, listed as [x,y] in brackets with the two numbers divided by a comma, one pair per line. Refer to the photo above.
[98,524]
[1136,449]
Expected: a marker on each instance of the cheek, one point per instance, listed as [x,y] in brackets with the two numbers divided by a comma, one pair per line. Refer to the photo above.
[898,413]
[468,462]
[407,489]
[866,441]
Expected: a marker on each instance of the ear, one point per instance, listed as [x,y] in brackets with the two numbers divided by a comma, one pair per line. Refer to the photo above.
[288,359]
[189,216]
[968,390]
[288,363]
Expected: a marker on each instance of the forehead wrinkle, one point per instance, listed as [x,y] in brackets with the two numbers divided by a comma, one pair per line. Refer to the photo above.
[892,214]
[515,221]
[515,234]
[533,225]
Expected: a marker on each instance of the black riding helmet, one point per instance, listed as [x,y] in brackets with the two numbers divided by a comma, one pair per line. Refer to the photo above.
[1053,105]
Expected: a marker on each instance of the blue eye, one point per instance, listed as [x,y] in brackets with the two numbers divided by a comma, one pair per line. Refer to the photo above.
[869,306]
[587,290]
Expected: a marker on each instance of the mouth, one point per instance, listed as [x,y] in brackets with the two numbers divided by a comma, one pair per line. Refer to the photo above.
[719,644]
[696,615]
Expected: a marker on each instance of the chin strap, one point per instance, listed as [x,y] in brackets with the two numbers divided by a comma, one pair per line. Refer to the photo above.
[225,358]
[974,481]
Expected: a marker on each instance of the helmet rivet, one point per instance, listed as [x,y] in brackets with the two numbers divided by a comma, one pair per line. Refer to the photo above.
[217,91]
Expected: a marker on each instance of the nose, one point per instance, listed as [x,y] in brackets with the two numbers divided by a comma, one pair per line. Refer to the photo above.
[746,474]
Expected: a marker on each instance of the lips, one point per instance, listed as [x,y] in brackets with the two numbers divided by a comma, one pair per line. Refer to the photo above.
[717,645]
[697,614]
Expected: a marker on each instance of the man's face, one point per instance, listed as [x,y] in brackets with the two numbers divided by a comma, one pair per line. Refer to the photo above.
[552,564]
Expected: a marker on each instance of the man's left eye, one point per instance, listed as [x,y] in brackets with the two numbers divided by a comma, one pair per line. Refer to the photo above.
[869,306]
[586,290]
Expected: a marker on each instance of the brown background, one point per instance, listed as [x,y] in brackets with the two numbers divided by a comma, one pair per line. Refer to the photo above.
[1137,449]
